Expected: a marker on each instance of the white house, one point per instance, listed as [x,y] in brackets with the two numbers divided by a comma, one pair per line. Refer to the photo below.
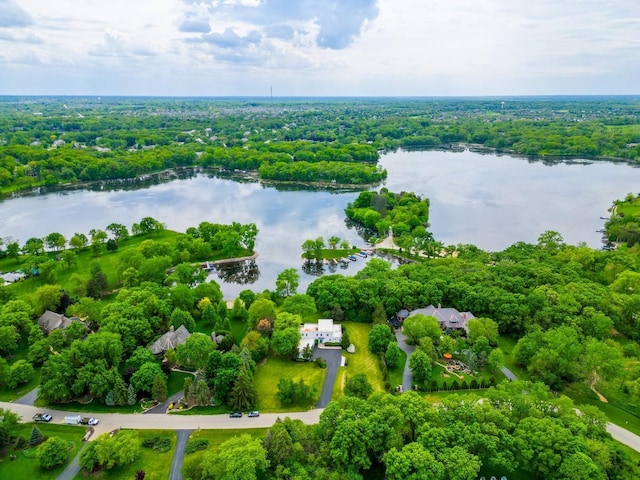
[323,332]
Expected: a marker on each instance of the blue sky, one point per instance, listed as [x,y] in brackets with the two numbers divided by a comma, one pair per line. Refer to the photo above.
[319,47]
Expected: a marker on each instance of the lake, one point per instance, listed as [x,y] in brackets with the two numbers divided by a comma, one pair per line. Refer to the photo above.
[488,200]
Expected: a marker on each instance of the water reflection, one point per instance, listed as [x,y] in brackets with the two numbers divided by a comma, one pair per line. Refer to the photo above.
[242,273]
[484,199]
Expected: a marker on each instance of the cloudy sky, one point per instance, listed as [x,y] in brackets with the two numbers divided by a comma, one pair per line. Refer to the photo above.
[319,47]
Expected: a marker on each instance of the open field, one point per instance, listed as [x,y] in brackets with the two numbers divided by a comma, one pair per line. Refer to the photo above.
[363,361]
[269,373]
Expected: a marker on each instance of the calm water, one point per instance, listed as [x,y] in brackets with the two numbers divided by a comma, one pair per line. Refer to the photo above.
[488,200]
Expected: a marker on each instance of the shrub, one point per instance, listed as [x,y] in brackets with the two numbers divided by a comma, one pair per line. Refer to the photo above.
[157,444]
[52,453]
[197,445]
[321,362]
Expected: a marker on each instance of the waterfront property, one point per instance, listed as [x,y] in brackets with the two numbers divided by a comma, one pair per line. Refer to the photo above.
[448,318]
[322,332]
[170,340]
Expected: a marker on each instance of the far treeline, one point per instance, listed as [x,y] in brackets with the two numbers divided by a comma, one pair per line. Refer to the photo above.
[51,140]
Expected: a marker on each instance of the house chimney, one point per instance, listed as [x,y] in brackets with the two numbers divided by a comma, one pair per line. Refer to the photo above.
[171,328]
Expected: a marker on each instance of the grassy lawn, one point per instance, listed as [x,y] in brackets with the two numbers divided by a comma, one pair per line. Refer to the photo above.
[7,395]
[209,410]
[93,406]
[26,464]
[269,373]
[363,361]
[507,344]
[239,330]
[157,466]
[176,381]
[216,438]
[616,413]
[395,374]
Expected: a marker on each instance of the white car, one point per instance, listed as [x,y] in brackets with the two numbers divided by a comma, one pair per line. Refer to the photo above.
[93,421]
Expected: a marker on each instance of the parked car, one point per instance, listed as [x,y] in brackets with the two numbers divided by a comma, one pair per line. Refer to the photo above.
[255,413]
[235,415]
[93,421]
[89,421]
[42,417]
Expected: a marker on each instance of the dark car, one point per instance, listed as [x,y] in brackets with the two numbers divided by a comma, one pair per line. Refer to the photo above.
[235,415]
[255,413]
[42,417]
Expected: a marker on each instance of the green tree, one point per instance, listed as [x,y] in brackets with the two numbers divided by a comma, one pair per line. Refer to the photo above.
[108,452]
[53,453]
[392,355]
[244,395]
[412,462]
[240,458]
[238,312]
[132,395]
[142,379]
[260,309]
[285,342]
[358,386]
[287,282]
[496,360]
[418,326]
[420,366]
[194,352]
[20,372]
[483,327]
[299,304]
[36,437]
[55,241]
[379,338]
[159,389]
[180,317]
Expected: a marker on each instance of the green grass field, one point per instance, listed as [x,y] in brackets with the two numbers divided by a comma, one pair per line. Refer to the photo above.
[269,373]
[157,466]
[216,438]
[363,361]
[26,465]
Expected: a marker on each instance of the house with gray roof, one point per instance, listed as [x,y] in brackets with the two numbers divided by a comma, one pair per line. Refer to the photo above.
[448,318]
[170,340]
[50,321]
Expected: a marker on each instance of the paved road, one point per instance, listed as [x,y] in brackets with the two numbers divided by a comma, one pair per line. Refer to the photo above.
[630,439]
[29,399]
[333,356]
[407,380]
[178,455]
[113,421]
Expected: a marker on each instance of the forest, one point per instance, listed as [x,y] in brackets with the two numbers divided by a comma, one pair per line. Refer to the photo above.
[51,141]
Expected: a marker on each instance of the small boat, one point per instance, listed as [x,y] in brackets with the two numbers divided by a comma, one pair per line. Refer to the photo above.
[361,254]
[352,258]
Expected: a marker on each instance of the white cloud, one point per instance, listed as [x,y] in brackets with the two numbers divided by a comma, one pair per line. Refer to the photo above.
[320,47]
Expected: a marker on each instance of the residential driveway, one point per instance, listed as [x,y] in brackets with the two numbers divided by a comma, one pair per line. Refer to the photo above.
[162,407]
[73,468]
[407,383]
[29,398]
[509,374]
[178,455]
[333,357]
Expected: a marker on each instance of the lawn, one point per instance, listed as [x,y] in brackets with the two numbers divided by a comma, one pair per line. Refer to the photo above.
[362,361]
[506,344]
[616,413]
[93,406]
[26,465]
[269,373]
[176,382]
[216,438]
[396,374]
[157,466]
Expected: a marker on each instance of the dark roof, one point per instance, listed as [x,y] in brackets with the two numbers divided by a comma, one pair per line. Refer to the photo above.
[170,340]
[50,321]
[448,318]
